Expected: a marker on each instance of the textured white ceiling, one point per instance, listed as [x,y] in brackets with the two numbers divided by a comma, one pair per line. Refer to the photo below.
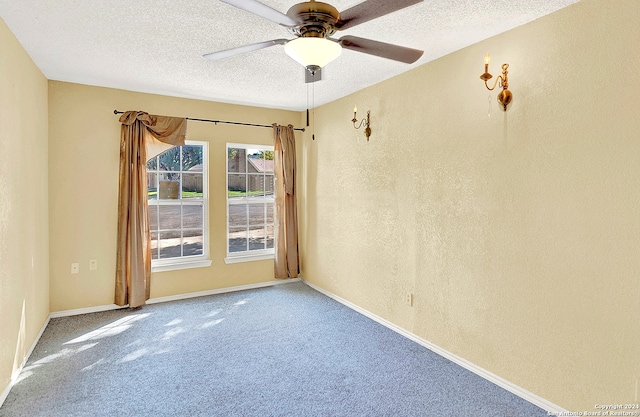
[156,46]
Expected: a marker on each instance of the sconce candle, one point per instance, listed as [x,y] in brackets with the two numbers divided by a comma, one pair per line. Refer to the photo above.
[366,122]
[505,96]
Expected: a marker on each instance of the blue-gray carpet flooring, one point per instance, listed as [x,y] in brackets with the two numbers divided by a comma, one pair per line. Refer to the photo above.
[286,350]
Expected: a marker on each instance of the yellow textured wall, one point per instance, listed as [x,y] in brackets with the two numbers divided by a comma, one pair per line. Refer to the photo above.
[518,233]
[24,226]
[83,158]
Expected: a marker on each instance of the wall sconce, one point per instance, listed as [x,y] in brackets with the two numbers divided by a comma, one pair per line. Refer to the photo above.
[505,96]
[365,122]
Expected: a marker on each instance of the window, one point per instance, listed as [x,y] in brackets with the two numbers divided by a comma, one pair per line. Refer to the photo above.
[250,202]
[177,187]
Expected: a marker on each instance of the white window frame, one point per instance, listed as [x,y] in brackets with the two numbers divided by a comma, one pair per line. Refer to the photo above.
[249,255]
[193,261]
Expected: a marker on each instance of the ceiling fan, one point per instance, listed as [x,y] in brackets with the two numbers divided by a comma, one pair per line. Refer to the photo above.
[313,23]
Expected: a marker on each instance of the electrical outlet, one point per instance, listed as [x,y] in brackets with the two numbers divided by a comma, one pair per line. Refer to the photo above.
[93,264]
[75,268]
[408,298]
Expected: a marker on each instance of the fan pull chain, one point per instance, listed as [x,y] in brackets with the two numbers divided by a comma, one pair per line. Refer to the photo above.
[313,108]
[307,105]
[313,104]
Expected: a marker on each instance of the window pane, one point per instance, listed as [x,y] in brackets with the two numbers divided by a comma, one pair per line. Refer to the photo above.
[236,160]
[168,186]
[270,237]
[152,185]
[153,218]
[191,185]
[237,186]
[256,185]
[269,184]
[152,164]
[256,214]
[170,160]
[237,215]
[168,190]
[170,217]
[168,176]
[237,240]
[192,243]
[192,216]
[270,213]
[269,156]
[154,245]
[260,165]
[256,238]
[192,158]
[170,244]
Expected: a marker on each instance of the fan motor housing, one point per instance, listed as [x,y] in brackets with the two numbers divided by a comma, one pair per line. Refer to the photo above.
[318,19]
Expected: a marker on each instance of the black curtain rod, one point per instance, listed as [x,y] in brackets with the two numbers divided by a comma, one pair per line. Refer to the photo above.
[222,121]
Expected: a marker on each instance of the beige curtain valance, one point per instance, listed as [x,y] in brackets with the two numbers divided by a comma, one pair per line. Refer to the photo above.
[161,132]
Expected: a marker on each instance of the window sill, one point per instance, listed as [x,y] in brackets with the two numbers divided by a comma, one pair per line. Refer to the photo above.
[202,263]
[248,258]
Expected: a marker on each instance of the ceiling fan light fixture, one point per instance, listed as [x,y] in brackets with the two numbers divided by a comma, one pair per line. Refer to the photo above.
[312,51]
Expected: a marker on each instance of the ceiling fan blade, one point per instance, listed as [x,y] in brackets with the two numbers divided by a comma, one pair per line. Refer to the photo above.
[262,10]
[381,49]
[369,10]
[312,76]
[228,53]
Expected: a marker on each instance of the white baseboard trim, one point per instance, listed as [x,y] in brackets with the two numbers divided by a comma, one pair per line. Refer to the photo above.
[221,290]
[156,300]
[551,408]
[86,310]
[16,373]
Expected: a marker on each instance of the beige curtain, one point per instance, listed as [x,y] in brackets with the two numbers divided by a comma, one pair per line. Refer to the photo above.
[286,216]
[142,136]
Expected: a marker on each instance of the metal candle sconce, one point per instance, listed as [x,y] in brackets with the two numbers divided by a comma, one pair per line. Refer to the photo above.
[505,96]
[366,122]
